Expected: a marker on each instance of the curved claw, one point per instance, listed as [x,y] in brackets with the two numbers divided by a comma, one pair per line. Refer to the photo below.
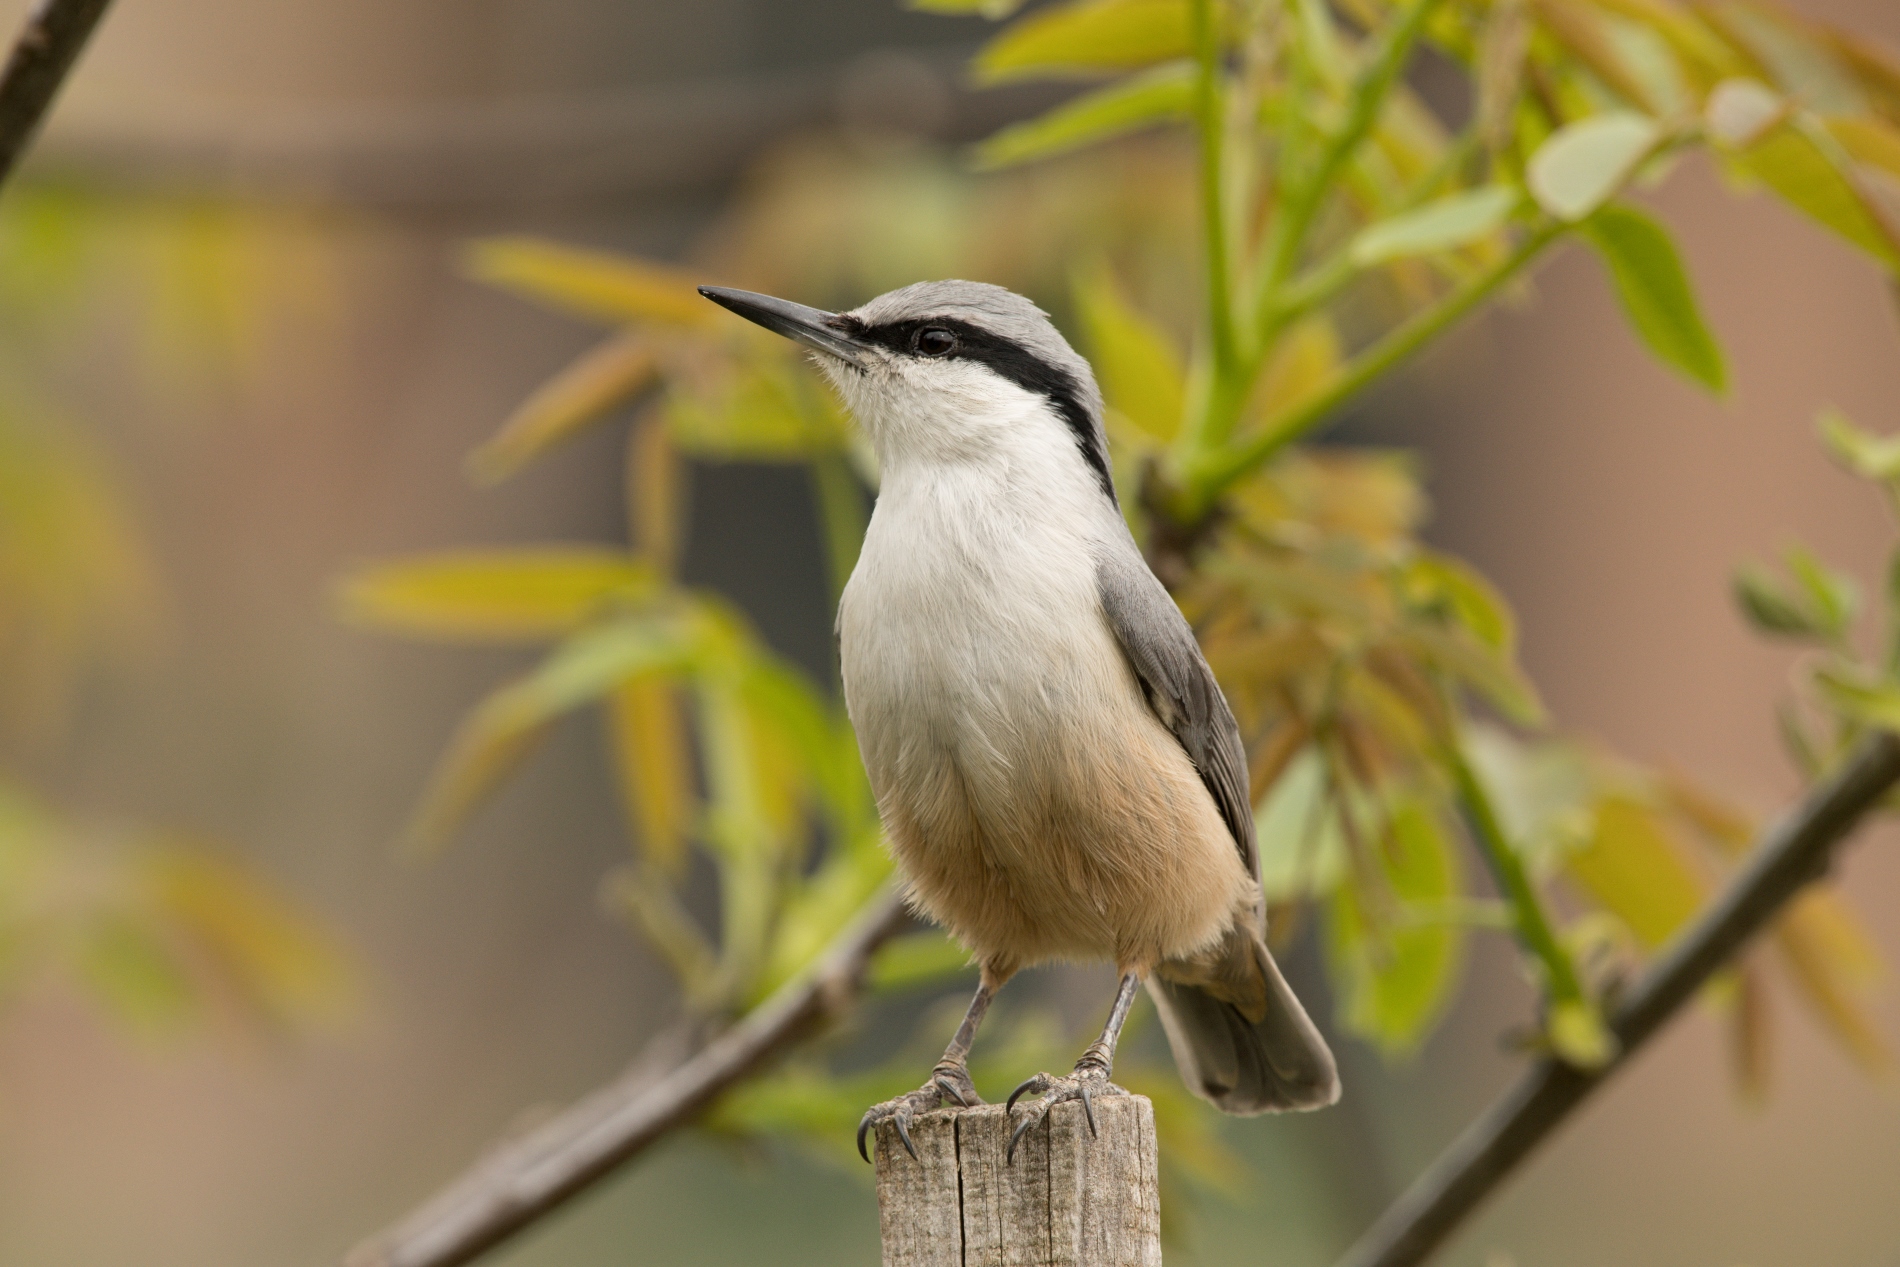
[1088,1108]
[955,1092]
[1016,1137]
[864,1129]
[1029,1084]
[903,1132]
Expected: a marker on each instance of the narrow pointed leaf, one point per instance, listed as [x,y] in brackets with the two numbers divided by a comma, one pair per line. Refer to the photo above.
[528,594]
[1087,37]
[507,725]
[1456,221]
[1162,95]
[1655,292]
[991,9]
[1796,157]
[582,394]
[1834,963]
[597,284]
[1876,704]
[651,755]
[1865,454]
[1870,141]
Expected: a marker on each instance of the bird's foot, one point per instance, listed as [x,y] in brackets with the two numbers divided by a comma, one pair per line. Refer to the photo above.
[1089,1080]
[947,1082]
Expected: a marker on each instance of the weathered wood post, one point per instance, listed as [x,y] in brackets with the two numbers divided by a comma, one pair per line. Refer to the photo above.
[1068,1200]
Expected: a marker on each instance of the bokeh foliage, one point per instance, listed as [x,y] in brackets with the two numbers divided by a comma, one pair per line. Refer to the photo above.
[156,925]
[1246,216]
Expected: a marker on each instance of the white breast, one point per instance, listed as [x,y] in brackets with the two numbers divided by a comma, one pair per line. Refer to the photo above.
[1039,808]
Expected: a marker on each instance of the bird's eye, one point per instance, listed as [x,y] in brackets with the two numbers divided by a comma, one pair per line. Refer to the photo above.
[935,341]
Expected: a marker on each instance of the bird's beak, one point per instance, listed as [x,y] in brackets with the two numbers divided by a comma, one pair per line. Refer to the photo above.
[813,327]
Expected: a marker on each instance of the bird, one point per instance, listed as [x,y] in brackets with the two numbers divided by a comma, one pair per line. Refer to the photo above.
[1058,774]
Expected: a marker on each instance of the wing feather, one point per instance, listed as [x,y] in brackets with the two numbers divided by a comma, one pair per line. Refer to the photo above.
[1180,687]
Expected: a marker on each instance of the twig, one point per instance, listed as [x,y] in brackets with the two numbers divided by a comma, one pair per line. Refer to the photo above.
[1794,853]
[523,1180]
[41,57]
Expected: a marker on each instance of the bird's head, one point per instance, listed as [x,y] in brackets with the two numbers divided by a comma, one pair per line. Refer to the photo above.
[948,370]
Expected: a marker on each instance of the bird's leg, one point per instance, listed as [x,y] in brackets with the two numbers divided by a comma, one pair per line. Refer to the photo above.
[1089,1079]
[950,1079]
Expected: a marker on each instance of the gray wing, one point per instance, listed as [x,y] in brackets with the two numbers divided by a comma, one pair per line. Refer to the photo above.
[1180,687]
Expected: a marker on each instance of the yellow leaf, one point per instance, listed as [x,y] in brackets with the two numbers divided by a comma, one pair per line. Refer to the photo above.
[519,595]
[584,393]
[1833,960]
[650,752]
[656,494]
[282,962]
[1306,361]
[1798,159]
[1868,140]
[1577,1034]
[1087,37]
[504,727]
[1633,867]
[1140,367]
[597,284]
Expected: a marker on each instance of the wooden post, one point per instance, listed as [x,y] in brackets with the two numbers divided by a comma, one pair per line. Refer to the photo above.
[1068,1200]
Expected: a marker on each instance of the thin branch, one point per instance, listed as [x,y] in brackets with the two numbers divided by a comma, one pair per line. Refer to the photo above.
[45,51]
[523,1180]
[1794,853]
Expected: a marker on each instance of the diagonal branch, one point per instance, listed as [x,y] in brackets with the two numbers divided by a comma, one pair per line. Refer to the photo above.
[1794,853]
[45,51]
[523,1180]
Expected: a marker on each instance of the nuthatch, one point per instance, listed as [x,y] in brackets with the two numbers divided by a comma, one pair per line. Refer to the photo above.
[1057,770]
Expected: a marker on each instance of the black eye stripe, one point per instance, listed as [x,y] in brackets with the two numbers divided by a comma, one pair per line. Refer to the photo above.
[1012,361]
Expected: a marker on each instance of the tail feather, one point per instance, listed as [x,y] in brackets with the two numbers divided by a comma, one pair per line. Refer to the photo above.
[1245,1066]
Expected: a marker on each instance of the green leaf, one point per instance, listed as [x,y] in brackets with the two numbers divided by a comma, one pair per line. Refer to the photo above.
[1087,37]
[1793,154]
[1394,976]
[1584,164]
[1141,372]
[1867,455]
[128,966]
[1443,225]
[991,9]
[506,726]
[1821,605]
[528,594]
[1771,607]
[582,394]
[1302,851]
[1831,596]
[1636,870]
[1657,298]
[1875,703]
[596,284]
[1162,95]
[1473,601]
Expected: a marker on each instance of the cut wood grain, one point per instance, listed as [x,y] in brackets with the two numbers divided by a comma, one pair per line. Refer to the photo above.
[1068,1200]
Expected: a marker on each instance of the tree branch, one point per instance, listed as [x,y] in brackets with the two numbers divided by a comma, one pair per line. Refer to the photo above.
[1794,853]
[45,51]
[523,1180]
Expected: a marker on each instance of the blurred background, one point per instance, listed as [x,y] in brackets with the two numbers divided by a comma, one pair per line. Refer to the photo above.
[235,264]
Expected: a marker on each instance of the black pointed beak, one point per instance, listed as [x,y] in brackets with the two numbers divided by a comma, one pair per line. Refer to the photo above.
[813,327]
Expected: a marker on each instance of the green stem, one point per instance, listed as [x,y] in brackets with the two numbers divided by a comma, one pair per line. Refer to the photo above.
[1210,121]
[1207,479]
[1531,924]
[1302,203]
